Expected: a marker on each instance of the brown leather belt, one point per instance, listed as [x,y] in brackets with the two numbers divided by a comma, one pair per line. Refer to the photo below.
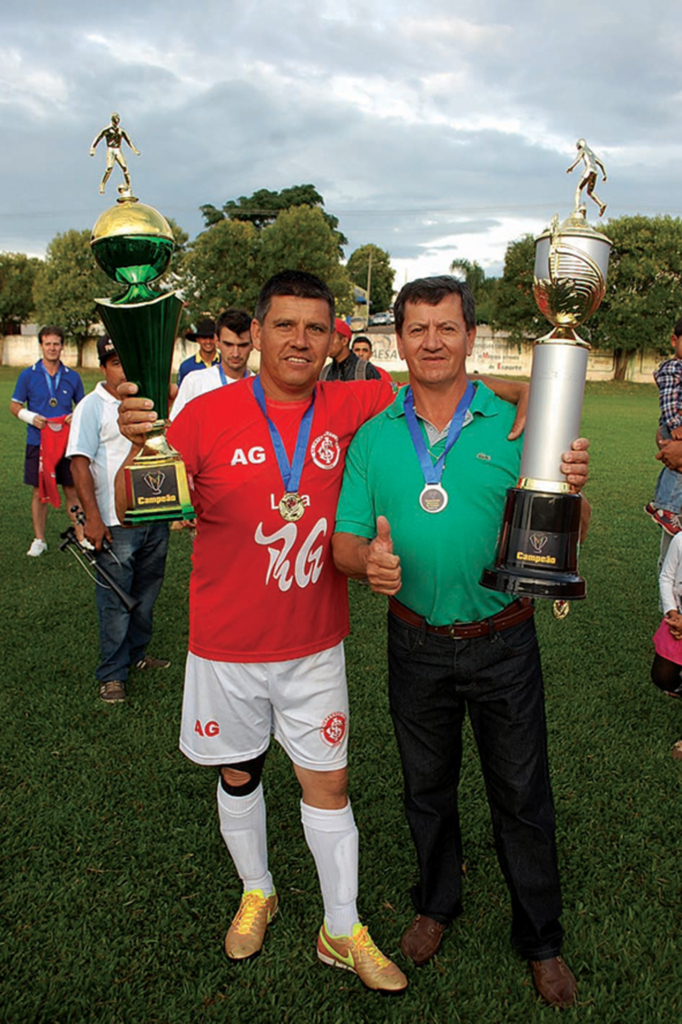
[517,611]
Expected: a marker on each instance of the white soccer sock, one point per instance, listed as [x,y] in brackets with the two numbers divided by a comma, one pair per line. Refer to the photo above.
[242,825]
[333,841]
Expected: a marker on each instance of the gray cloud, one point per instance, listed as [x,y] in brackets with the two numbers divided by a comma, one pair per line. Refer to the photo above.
[427,127]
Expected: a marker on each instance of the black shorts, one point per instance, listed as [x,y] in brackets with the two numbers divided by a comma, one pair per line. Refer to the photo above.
[32,462]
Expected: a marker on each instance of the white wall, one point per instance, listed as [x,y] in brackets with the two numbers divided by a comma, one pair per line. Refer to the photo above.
[492,355]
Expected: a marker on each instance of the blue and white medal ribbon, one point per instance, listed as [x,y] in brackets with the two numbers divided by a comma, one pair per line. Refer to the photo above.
[291,506]
[434,497]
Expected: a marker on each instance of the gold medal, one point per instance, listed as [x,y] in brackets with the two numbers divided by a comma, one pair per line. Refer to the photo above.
[560,609]
[53,403]
[291,507]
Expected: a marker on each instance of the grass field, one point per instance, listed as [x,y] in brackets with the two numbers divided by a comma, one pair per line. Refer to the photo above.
[116,889]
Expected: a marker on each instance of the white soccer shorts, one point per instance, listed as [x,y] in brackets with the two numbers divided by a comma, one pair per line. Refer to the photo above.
[230,709]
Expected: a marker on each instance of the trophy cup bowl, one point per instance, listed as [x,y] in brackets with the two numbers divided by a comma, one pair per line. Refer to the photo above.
[133,244]
[537,553]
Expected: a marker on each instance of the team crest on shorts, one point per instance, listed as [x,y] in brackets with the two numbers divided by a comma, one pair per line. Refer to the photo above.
[325,450]
[333,728]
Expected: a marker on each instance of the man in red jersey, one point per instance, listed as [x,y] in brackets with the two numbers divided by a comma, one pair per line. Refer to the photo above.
[266,462]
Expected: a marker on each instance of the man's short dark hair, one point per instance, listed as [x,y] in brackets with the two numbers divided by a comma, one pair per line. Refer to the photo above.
[236,320]
[294,282]
[362,337]
[677,329]
[44,332]
[433,290]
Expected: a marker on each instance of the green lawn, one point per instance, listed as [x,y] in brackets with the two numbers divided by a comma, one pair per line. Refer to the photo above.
[116,889]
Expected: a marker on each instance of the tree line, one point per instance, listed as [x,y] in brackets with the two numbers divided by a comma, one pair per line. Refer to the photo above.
[643,297]
[250,238]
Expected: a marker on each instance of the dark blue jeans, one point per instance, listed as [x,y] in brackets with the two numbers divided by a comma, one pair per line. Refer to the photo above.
[138,568]
[432,681]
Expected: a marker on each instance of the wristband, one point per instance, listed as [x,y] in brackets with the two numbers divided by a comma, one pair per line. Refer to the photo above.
[27,416]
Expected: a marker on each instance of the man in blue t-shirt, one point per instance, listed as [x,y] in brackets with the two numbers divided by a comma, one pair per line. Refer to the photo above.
[44,397]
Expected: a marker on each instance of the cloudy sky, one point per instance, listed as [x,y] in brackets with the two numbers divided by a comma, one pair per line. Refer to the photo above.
[436,130]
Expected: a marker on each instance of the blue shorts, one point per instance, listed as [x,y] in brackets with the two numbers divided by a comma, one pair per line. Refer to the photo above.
[32,463]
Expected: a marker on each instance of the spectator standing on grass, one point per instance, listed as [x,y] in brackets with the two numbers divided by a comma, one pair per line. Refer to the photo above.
[666,671]
[134,556]
[426,533]
[362,347]
[207,356]
[346,365]
[44,398]
[666,506]
[233,330]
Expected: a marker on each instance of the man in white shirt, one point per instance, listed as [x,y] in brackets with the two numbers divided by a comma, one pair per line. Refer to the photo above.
[233,328]
[134,556]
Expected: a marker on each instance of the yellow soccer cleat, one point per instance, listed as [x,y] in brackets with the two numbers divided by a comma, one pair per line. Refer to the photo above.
[247,931]
[358,953]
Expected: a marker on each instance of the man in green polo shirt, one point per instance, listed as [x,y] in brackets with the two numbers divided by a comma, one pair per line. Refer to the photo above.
[419,514]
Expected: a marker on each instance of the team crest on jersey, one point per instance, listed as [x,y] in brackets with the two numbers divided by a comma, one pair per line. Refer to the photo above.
[333,728]
[325,450]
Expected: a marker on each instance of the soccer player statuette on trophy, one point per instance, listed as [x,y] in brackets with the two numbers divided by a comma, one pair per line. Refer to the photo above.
[133,244]
[537,553]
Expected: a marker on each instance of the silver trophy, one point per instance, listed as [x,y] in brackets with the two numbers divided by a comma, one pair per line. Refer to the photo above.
[537,553]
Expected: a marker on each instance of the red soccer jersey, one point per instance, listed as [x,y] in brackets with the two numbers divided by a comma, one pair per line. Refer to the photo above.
[54,438]
[263,589]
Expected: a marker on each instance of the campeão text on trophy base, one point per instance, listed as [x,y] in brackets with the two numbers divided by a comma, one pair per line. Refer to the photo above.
[537,554]
[133,244]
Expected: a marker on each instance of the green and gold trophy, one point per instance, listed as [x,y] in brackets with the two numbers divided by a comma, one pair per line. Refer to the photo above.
[133,244]
[537,554]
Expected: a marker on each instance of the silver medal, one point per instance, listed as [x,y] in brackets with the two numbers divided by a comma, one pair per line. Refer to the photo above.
[433,498]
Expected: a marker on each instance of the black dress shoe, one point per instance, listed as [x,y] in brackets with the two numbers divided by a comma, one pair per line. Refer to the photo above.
[554,981]
[422,939]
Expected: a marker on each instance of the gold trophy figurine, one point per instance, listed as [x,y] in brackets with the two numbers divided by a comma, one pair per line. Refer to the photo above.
[114,137]
[588,178]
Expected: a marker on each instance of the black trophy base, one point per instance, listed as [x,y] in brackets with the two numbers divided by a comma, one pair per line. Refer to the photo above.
[538,551]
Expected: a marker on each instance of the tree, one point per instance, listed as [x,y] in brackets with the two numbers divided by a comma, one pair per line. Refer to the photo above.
[17,276]
[181,238]
[383,275]
[301,239]
[483,289]
[515,310]
[644,288]
[221,269]
[263,207]
[67,284]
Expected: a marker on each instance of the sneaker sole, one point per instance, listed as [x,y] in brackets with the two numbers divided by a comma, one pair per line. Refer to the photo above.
[332,962]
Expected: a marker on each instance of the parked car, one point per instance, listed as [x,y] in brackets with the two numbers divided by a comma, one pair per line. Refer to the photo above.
[380,320]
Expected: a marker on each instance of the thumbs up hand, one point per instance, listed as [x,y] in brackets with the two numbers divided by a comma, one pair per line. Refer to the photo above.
[383,567]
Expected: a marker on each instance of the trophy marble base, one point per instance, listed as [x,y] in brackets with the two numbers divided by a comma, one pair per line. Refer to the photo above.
[537,555]
[157,489]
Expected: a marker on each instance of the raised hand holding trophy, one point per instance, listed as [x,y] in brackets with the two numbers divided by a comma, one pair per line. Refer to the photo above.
[133,244]
[537,555]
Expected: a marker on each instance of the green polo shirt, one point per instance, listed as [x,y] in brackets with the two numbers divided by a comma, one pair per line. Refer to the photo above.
[442,555]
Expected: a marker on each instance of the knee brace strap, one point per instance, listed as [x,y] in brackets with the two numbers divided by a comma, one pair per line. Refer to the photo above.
[254,769]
